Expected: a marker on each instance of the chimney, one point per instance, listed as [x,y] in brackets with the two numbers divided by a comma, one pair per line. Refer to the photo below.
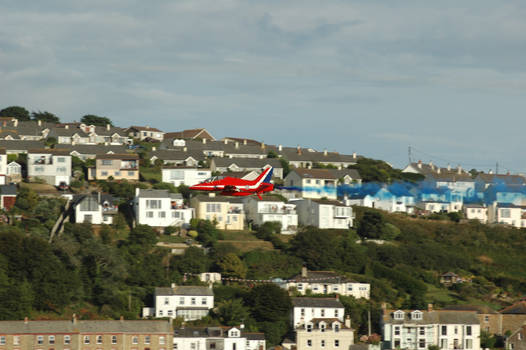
[337,297]
[106,143]
[309,166]
[241,326]
[298,150]
[237,145]
[26,320]
[245,142]
[74,319]
[419,164]
[226,141]
[490,172]
[211,194]
[204,141]
[185,149]
[39,122]
[262,145]
[448,167]
[354,155]
[459,169]
[429,307]
[431,165]
[325,152]
[438,170]
[280,148]
[154,148]
[304,271]
[108,127]
[173,285]
[348,321]
[15,122]
[122,318]
[66,127]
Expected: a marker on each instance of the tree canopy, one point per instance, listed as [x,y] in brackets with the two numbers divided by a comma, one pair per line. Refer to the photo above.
[45,117]
[91,119]
[17,112]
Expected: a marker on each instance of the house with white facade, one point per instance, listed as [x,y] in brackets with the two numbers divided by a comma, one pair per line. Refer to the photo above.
[419,329]
[188,302]
[312,183]
[306,309]
[181,175]
[507,214]
[3,167]
[51,165]
[476,212]
[324,214]
[272,209]
[160,208]
[210,277]
[219,337]
[325,333]
[327,282]
[145,132]
[223,165]
[436,206]
[96,208]
[227,212]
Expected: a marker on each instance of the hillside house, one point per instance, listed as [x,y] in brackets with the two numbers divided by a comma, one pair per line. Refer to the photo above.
[181,175]
[227,212]
[272,209]
[51,165]
[96,208]
[324,214]
[312,183]
[160,208]
[116,167]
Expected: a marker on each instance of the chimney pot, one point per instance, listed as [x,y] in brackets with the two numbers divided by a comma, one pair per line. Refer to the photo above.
[325,152]
[226,141]
[74,319]
[108,127]
[237,145]
[204,141]
[154,148]
[429,307]
[122,318]
[262,145]
[26,320]
[280,148]
[39,122]
[348,321]
[245,142]
[185,149]
[304,271]
[354,155]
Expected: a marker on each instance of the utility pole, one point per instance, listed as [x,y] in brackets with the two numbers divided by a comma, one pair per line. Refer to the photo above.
[369,321]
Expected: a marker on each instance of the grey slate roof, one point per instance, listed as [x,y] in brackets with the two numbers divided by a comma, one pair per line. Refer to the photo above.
[8,190]
[435,317]
[21,145]
[314,174]
[93,149]
[317,302]
[322,277]
[206,198]
[148,193]
[184,290]
[247,162]
[103,326]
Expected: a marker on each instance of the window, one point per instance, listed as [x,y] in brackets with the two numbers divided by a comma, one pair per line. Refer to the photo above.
[153,203]
[309,342]
[336,327]
[61,169]
[40,339]
[322,343]
[309,327]
[99,339]
[505,213]
[399,315]
[322,327]
[444,330]
[147,339]
[203,301]
[336,313]
[422,331]
[86,339]
[160,312]
[104,173]
[397,343]
[16,340]
[175,214]
[302,312]
[212,345]
[162,214]
[456,330]
[468,330]
[135,340]
[397,331]
[349,287]
[234,346]
[51,339]
[162,340]
[486,318]
[181,301]
[61,160]
[176,346]
[416,315]
[300,286]
[170,313]
[149,214]
[322,312]
[67,339]
[166,301]
[336,343]
[114,339]
[422,343]
[2,340]
[193,301]
[213,207]
[519,336]
[469,343]
[131,173]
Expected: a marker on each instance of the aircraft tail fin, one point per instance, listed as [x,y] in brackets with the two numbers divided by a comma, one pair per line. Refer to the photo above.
[265,176]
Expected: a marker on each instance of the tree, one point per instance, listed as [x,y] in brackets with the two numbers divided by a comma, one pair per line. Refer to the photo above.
[272,154]
[142,235]
[269,303]
[91,119]
[232,266]
[232,312]
[45,117]
[17,112]
[371,225]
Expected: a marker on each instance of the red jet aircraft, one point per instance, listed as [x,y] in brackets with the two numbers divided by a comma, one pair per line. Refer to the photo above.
[233,186]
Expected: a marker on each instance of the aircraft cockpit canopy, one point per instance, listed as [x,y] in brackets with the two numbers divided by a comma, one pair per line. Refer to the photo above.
[214,178]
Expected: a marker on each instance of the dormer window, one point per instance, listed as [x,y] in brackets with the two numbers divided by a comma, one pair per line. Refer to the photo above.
[309,327]
[399,315]
[416,315]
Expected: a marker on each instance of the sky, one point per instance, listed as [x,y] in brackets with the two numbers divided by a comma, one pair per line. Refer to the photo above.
[447,78]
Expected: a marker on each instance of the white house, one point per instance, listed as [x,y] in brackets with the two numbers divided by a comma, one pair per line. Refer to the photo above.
[415,330]
[221,338]
[507,214]
[327,282]
[210,277]
[95,209]
[324,214]
[160,208]
[476,212]
[312,183]
[51,165]
[322,334]
[307,309]
[188,302]
[188,176]
[3,167]
[436,206]
[145,132]
[272,209]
